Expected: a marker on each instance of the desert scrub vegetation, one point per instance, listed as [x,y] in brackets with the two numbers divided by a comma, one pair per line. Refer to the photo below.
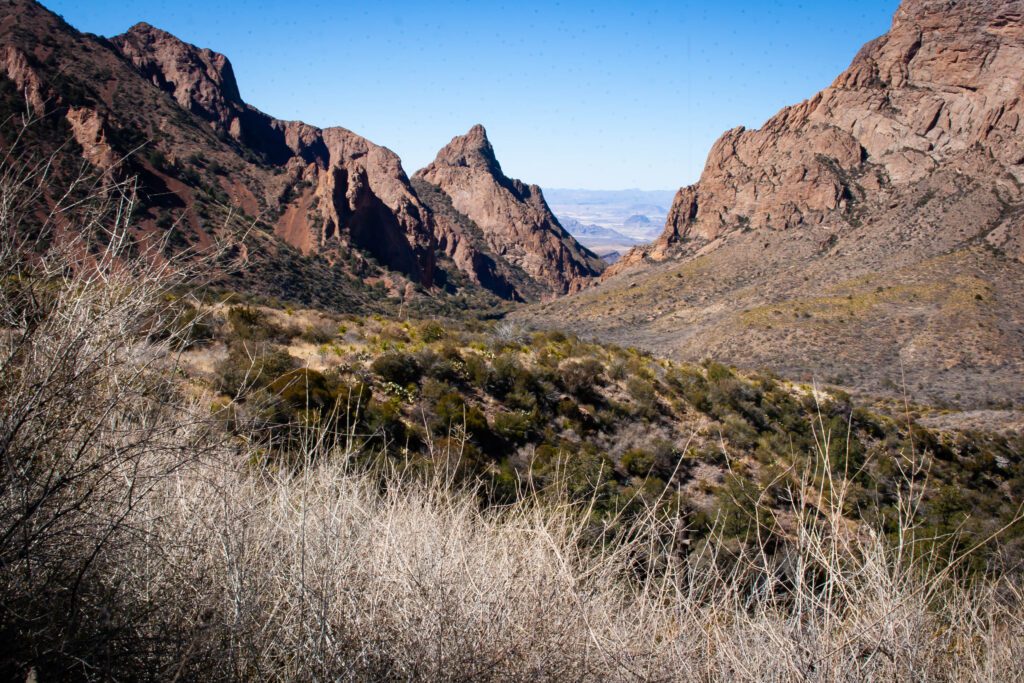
[142,543]
[144,536]
[615,428]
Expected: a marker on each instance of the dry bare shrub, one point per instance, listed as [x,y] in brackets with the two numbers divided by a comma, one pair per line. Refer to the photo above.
[89,417]
[322,574]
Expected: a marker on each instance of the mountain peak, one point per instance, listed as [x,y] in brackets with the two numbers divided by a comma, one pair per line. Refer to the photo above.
[478,131]
[911,10]
[199,78]
[475,140]
[472,149]
[516,221]
[143,28]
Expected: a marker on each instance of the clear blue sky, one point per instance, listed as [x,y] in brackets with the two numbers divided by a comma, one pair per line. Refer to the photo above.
[600,95]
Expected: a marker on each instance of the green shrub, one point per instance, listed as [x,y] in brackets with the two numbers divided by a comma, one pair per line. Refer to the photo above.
[584,473]
[446,365]
[398,367]
[618,371]
[691,385]
[582,378]
[433,331]
[743,509]
[458,457]
[478,370]
[384,422]
[451,412]
[738,432]
[717,372]
[568,408]
[302,388]
[251,366]
[300,398]
[505,375]
[637,462]
[642,391]
[522,400]
[515,427]
[352,398]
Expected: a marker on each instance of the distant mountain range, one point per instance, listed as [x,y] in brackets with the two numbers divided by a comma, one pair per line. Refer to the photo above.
[615,210]
[598,239]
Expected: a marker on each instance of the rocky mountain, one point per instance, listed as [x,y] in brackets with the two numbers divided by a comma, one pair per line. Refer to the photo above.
[941,91]
[464,242]
[871,235]
[171,114]
[515,220]
[638,220]
[359,189]
[317,215]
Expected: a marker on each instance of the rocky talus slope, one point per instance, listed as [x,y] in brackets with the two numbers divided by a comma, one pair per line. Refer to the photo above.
[870,236]
[515,220]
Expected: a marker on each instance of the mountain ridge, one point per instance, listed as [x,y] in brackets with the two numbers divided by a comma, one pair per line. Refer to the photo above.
[942,80]
[171,114]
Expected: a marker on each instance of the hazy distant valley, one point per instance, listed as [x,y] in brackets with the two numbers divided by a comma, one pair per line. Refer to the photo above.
[612,220]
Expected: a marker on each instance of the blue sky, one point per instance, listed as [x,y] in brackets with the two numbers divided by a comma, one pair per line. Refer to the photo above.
[599,95]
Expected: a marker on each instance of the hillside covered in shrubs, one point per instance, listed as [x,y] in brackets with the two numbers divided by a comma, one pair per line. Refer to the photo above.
[204,490]
[524,412]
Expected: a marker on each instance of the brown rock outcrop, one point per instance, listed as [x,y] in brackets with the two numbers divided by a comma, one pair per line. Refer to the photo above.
[516,221]
[463,242]
[361,195]
[201,80]
[942,87]
[88,128]
[16,67]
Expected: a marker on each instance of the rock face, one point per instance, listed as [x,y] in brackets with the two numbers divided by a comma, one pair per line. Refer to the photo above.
[149,105]
[870,236]
[464,243]
[362,195]
[942,89]
[516,221]
[201,81]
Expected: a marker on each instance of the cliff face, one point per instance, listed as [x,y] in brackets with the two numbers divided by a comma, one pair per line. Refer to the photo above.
[361,195]
[201,81]
[942,89]
[516,221]
[871,236]
[149,105]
